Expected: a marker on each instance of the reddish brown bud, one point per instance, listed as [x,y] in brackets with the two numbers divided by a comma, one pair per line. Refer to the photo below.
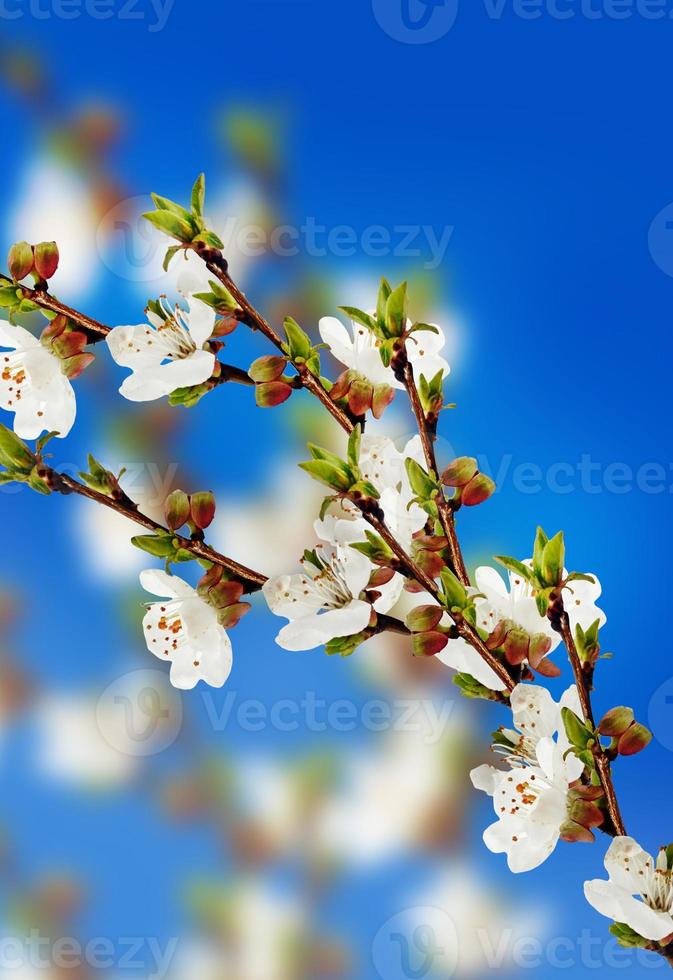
[382,397]
[547,668]
[46,259]
[479,489]
[268,368]
[72,367]
[54,329]
[225,593]
[573,833]
[616,721]
[516,646]
[539,647]
[424,618]
[428,644]
[460,472]
[20,260]
[232,615]
[202,509]
[634,740]
[272,393]
[68,343]
[177,509]
[360,397]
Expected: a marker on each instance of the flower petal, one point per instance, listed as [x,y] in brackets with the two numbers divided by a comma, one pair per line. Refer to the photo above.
[314,631]
[160,583]
[201,321]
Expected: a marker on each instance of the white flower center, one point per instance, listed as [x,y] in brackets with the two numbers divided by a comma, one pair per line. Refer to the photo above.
[658,891]
[172,337]
[328,581]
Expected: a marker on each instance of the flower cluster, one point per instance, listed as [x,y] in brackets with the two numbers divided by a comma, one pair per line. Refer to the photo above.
[385,556]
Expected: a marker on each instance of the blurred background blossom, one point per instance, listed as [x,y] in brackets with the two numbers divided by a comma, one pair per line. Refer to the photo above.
[263,852]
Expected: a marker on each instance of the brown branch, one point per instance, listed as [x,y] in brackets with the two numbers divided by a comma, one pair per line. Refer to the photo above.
[602,762]
[217,265]
[466,630]
[40,297]
[446,515]
[61,483]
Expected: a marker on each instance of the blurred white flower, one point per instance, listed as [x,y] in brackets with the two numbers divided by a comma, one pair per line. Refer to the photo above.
[530,798]
[480,918]
[183,628]
[33,385]
[166,353]
[639,892]
[72,748]
[55,204]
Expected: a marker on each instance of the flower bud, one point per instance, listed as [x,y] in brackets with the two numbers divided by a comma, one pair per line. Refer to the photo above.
[53,330]
[424,618]
[516,646]
[479,489]
[226,593]
[202,509]
[68,343]
[231,615]
[14,453]
[616,721]
[72,367]
[46,259]
[268,368]
[20,260]
[177,509]
[428,644]
[460,472]
[634,740]
[269,394]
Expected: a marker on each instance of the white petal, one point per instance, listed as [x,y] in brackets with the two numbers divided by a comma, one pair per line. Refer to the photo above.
[314,631]
[390,593]
[335,335]
[132,346]
[357,570]
[534,710]
[484,778]
[160,583]
[618,904]
[491,583]
[624,862]
[16,337]
[48,409]
[148,384]
[201,321]
[292,596]
[461,657]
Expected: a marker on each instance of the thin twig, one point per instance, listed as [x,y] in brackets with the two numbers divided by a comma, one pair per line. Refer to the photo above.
[446,515]
[40,297]
[602,762]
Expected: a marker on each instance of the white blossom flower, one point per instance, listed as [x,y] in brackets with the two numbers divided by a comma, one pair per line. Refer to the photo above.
[183,628]
[518,604]
[166,353]
[33,385]
[633,873]
[359,350]
[530,798]
[324,601]
[463,658]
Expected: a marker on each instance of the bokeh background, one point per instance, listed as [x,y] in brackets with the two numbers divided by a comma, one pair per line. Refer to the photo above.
[297,838]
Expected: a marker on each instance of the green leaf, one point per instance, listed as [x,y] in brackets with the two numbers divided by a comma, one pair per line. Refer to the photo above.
[364,319]
[516,566]
[579,733]
[165,204]
[199,195]
[170,255]
[471,688]
[385,289]
[344,646]
[171,224]
[421,482]
[153,544]
[541,540]
[454,590]
[627,938]
[396,311]
[326,473]
[299,342]
[553,560]
[354,441]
